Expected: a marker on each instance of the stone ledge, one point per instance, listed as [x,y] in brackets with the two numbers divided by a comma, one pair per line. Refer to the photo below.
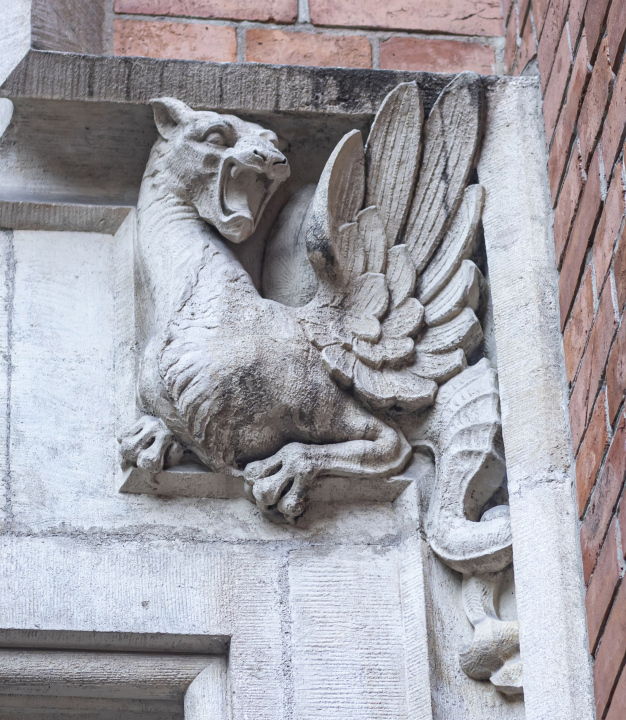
[225,87]
[191,480]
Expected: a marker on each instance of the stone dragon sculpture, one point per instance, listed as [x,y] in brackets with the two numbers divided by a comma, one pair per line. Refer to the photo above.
[356,352]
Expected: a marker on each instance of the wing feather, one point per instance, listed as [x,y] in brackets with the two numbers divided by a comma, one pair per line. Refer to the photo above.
[456,246]
[464,331]
[392,156]
[336,203]
[462,291]
[451,138]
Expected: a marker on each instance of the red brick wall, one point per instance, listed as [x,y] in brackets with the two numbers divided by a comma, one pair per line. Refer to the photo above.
[435,35]
[579,49]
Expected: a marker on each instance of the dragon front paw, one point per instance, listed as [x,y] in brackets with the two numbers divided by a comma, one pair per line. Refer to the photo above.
[279,485]
[150,445]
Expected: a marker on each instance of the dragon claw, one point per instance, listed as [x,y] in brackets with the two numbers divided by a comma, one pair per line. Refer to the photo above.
[278,486]
[150,445]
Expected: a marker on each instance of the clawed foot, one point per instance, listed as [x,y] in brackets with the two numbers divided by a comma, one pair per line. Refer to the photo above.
[279,484]
[150,445]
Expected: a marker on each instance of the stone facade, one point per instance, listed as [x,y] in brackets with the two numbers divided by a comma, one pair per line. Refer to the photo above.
[179,570]
[579,50]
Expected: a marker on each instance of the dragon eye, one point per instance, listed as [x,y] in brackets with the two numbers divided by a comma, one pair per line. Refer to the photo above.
[216,138]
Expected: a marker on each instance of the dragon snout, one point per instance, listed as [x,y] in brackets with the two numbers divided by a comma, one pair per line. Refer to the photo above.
[261,154]
[275,164]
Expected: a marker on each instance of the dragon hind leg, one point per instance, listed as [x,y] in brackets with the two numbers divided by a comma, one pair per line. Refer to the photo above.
[280,483]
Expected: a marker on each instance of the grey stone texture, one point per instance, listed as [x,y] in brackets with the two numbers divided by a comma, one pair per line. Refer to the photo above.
[351,616]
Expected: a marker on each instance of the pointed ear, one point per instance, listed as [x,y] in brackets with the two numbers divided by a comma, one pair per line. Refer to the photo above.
[169,113]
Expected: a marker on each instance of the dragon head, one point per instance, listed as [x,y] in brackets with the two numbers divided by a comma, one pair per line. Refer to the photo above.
[227,168]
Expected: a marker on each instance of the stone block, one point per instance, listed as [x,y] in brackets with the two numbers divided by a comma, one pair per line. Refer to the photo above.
[615,123]
[595,14]
[602,586]
[177,40]
[527,49]
[582,229]
[608,229]
[579,325]
[603,501]
[555,90]
[595,103]
[449,56]
[611,652]
[616,373]
[559,153]
[305,48]
[192,480]
[549,39]
[279,11]
[591,453]
[616,32]
[591,371]
[567,205]
[460,17]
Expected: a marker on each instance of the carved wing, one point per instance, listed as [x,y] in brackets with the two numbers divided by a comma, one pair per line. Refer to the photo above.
[389,242]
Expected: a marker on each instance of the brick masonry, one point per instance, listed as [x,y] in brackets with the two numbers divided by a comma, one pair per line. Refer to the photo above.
[579,49]
[443,36]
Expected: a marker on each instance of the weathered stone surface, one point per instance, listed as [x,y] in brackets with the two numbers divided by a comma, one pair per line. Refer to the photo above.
[223,87]
[381,364]
[212,568]
[538,451]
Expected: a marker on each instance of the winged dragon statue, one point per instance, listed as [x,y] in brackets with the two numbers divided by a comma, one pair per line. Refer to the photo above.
[356,353]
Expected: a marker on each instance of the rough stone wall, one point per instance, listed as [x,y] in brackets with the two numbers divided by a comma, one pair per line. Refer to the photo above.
[579,48]
[437,36]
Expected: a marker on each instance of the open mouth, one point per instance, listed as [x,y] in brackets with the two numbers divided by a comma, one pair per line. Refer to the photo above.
[244,190]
